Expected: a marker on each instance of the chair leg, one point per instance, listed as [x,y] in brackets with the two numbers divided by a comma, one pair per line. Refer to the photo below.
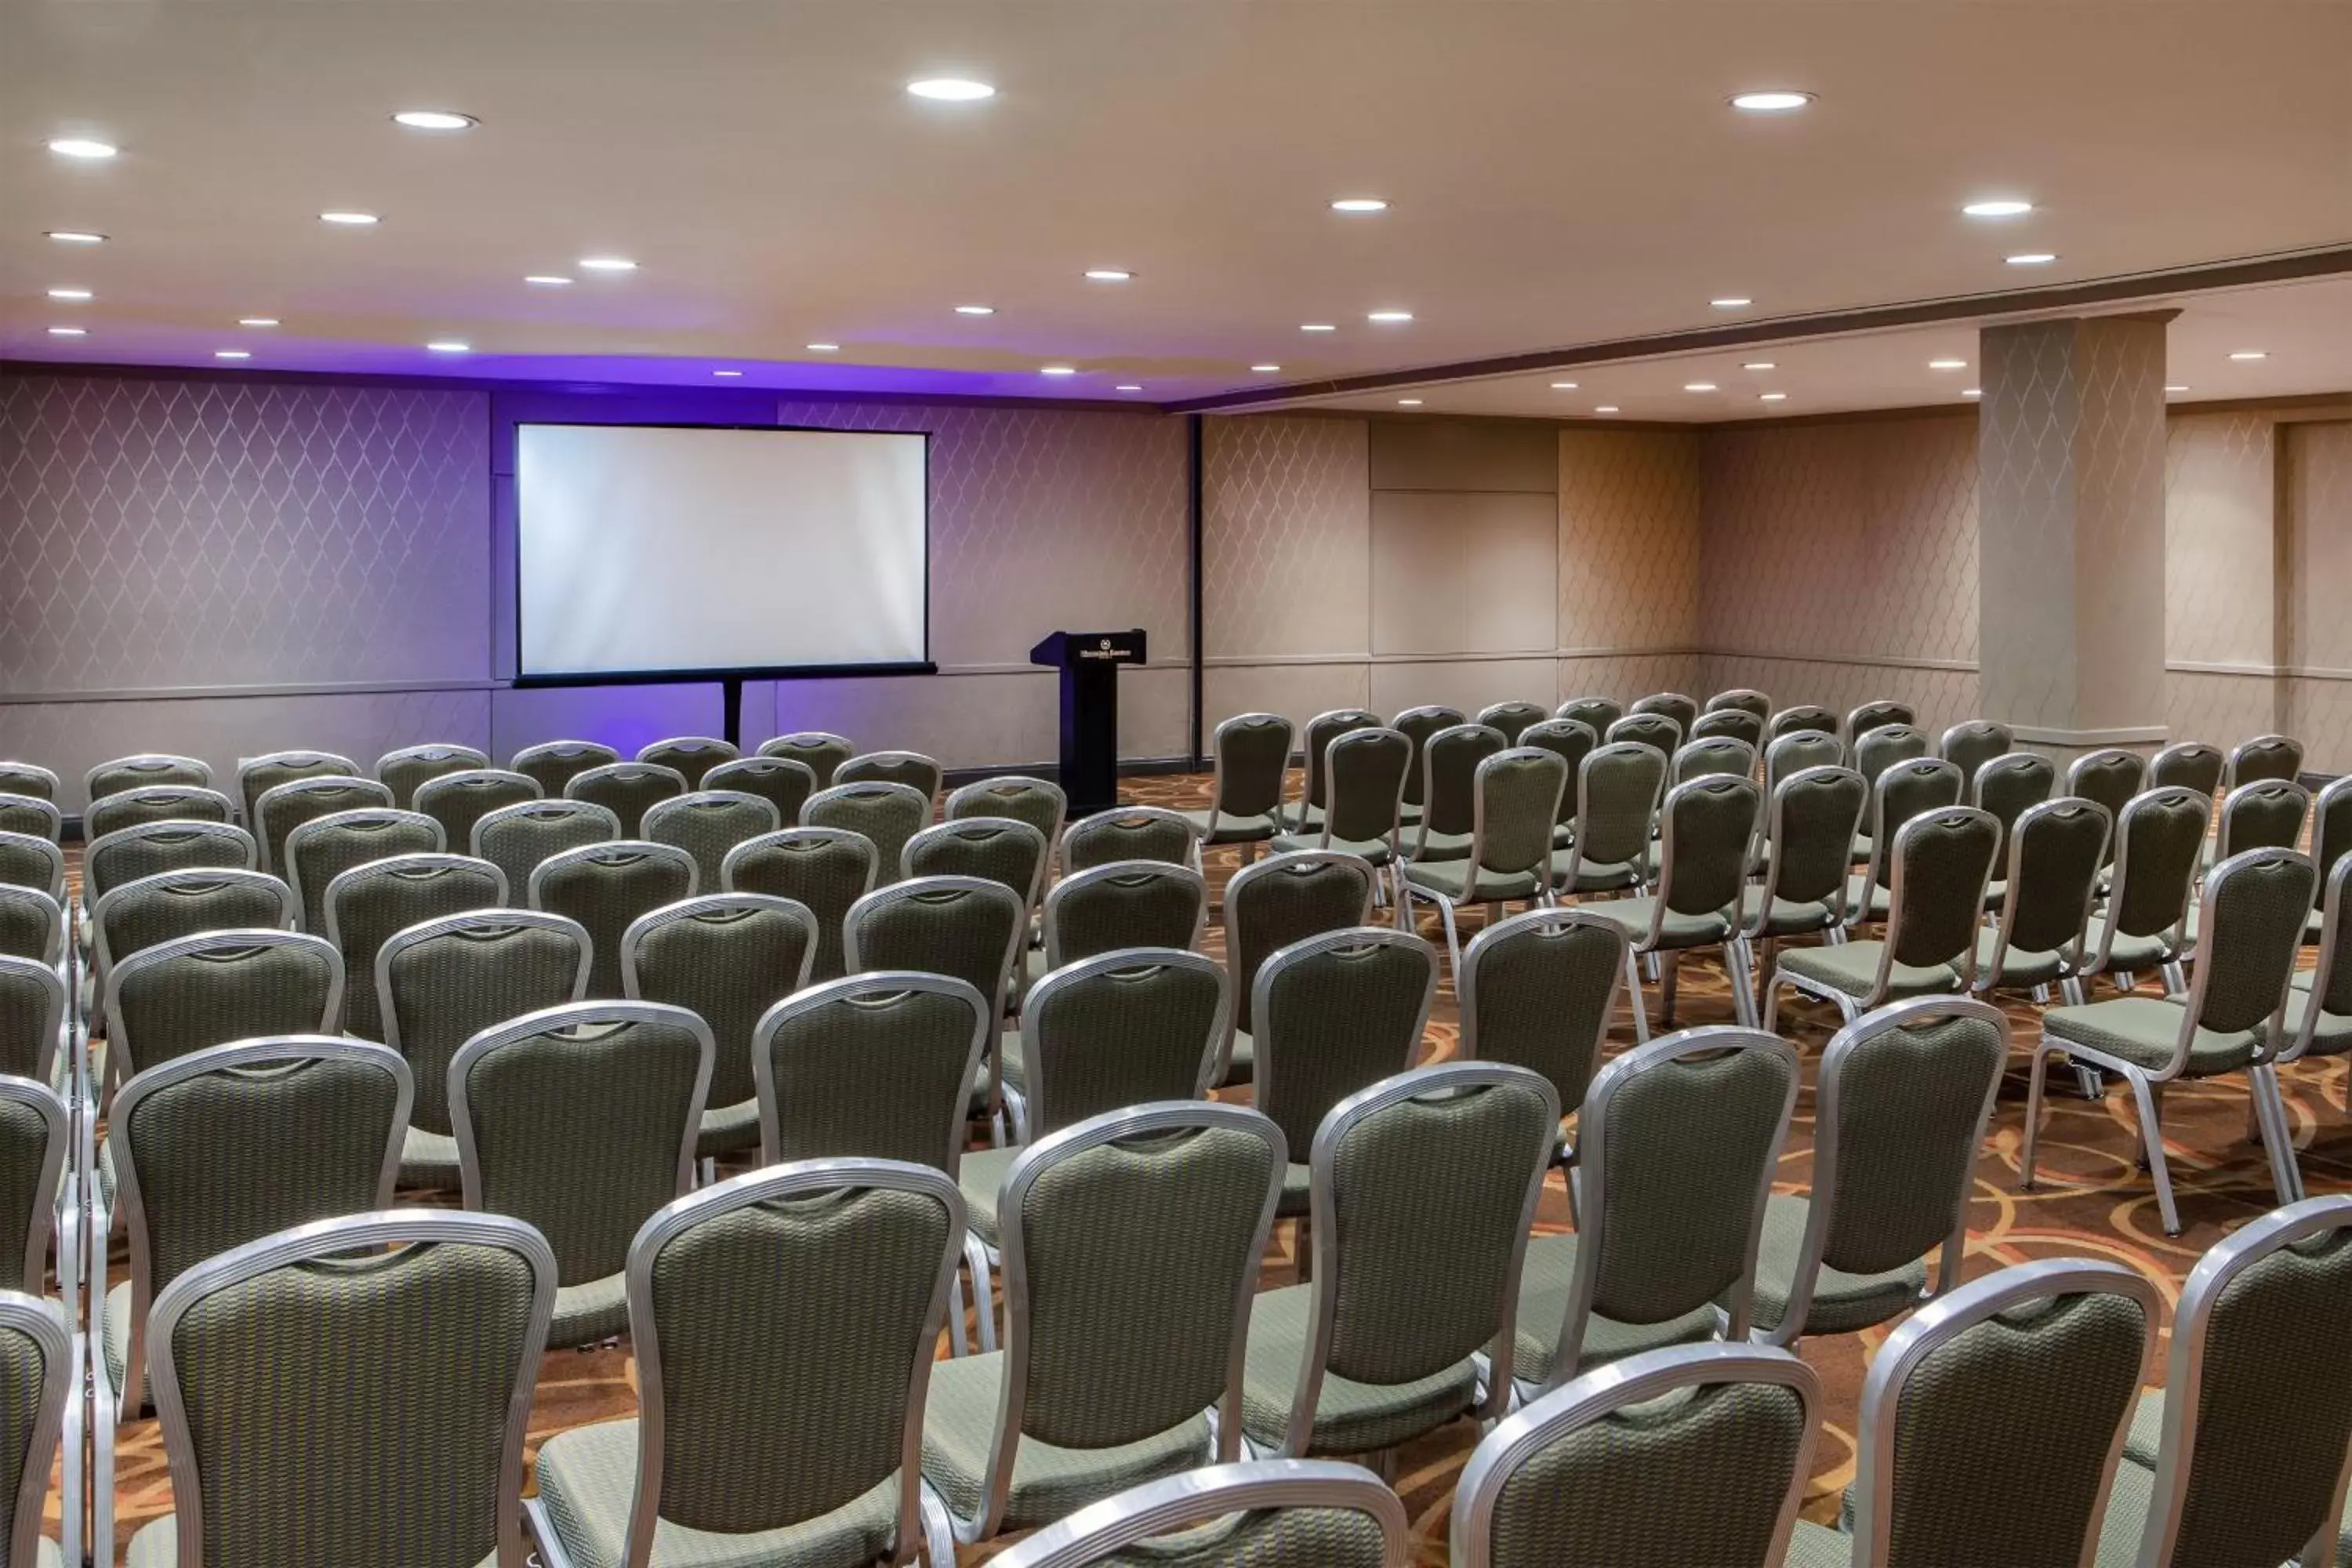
[958,1339]
[983,1290]
[1771,1020]
[1669,971]
[1634,994]
[1453,941]
[2150,1101]
[1249,850]
[2286,1176]
[2034,1075]
[939,1532]
[2176,979]
[2070,990]
[1740,970]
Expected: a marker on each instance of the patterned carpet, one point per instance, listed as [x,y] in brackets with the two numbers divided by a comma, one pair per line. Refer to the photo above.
[2091,1200]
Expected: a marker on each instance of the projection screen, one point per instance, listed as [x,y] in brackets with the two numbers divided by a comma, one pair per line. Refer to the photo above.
[670,550]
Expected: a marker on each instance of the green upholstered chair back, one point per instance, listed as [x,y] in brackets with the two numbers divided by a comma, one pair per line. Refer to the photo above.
[1128,833]
[1943,861]
[1595,713]
[727,958]
[131,853]
[1417,725]
[1706,829]
[1804,718]
[1901,793]
[1326,728]
[1798,750]
[625,789]
[1875,751]
[1333,1014]
[1123,904]
[401,771]
[31,926]
[1424,1188]
[1120,1029]
[2267,814]
[1448,796]
[148,803]
[367,904]
[781,782]
[1815,813]
[2008,785]
[1517,797]
[821,751]
[2332,978]
[2251,1463]
[197,990]
[916,771]
[1267,1513]
[321,849]
[886,813]
[1369,770]
[1251,752]
[1874,714]
[36,1375]
[1537,991]
[707,822]
[1681,1140]
[554,763]
[870,1067]
[1617,795]
[1000,848]
[2055,850]
[758,1303]
[2110,777]
[145,771]
[1740,699]
[2331,828]
[2264,757]
[823,869]
[284,807]
[226,1145]
[137,915]
[1730,724]
[1970,744]
[2055,1347]
[516,838]
[1513,717]
[966,927]
[28,861]
[1285,898]
[34,1130]
[581,1121]
[1693,1455]
[458,800]
[2158,842]
[605,887]
[1673,705]
[1040,802]
[441,981]
[2256,903]
[323,1319]
[691,755]
[30,814]
[1707,756]
[1571,740]
[32,1010]
[1657,730]
[2188,765]
[28,778]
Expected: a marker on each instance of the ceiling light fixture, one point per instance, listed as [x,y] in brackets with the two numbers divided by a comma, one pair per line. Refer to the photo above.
[1057,370]
[1564,386]
[1265,369]
[726,373]
[449,346]
[351,219]
[2251,355]
[1780,101]
[1128,386]
[76,237]
[2002,206]
[1606,408]
[1732,302]
[2032,259]
[257,320]
[1759,364]
[608,264]
[1388,317]
[1359,205]
[1316,327]
[1698,386]
[1947,364]
[1108,275]
[1771,397]
[824,348]
[70,294]
[1408,403]
[232,353]
[950,90]
[434,119]
[68,332]
[2175,389]
[82,147]
[1973,392]
[975,309]
[547,280]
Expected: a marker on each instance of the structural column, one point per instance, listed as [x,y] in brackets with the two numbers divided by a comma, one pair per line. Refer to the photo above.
[2070,532]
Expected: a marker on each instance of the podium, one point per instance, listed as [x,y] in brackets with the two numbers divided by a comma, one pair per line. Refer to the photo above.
[1089,664]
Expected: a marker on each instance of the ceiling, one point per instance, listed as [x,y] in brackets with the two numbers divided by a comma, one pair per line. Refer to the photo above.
[1560,174]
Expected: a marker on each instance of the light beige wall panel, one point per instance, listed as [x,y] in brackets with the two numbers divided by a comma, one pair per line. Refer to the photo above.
[1494,455]
[2318,708]
[1462,572]
[1296,691]
[1286,536]
[1629,539]
[2220,585]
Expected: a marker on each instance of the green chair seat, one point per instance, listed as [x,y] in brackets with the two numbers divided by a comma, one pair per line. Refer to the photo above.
[2312,926]
[1435,845]
[587,1480]
[2130,953]
[1818,1546]
[1881,900]
[1461,882]
[429,1159]
[1231,830]
[114,1335]
[1049,1482]
[1375,850]
[1544,1284]
[1564,835]
[1788,918]
[2142,1030]
[157,1545]
[981,1174]
[1603,877]
[1351,1418]
[1296,1185]
[2019,968]
[1243,1068]
[1843,1303]
[1859,854]
[2334,1036]
[728,1129]
[1851,967]
[2128,1501]
[2147,1434]
[1995,895]
[1633,917]
[590,1313]
[1008,1067]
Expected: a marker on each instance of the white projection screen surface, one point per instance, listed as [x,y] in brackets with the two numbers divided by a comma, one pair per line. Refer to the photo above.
[647,549]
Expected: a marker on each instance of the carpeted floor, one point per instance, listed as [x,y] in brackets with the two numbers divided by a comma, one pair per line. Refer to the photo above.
[2091,1200]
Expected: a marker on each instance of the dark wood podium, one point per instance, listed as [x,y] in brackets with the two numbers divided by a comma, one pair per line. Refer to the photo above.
[1089,664]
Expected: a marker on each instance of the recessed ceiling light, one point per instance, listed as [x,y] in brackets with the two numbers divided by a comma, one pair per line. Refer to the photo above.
[1777,102]
[2003,206]
[1606,408]
[1771,397]
[1973,392]
[1317,327]
[1759,364]
[1564,386]
[232,353]
[950,90]
[1057,370]
[824,348]
[1359,205]
[1698,386]
[1107,275]
[1265,369]
[975,309]
[1388,317]
[76,237]
[81,147]
[450,346]
[1128,386]
[547,280]
[1408,403]
[2175,389]
[1732,302]
[1947,364]
[608,264]
[2032,259]
[726,373]
[350,220]
[2251,354]
[70,294]
[257,320]
[434,119]
[68,332]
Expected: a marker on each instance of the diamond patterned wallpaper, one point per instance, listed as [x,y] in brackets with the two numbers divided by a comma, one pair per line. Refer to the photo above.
[2221,576]
[1286,536]
[2319,523]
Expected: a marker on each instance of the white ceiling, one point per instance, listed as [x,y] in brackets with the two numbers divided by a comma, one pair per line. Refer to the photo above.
[1561,173]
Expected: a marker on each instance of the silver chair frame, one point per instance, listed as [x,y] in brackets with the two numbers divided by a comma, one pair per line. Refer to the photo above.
[471,778]
[1032,1102]
[379,816]
[1466,986]
[724,751]
[504,918]
[1971,728]
[1739,699]
[1857,913]
[956,826]
[800,742]
[2070,957]
[1352,939]
[378,798]
[851,990]
[1835,906]
[2256,745]
[1692,752]
[46,809]
[1073,833]
[120,1048]
[894,759]
[430,752]
[1079,882]
[1197,1496]
[1575,866]
[1879,711]
[1289,862]
[1963,963]
[48,776]
[799,835]
[404,866]
[2258,790]
[624,773]
[228,832]
[155,760]
[1217,812]
[662,811]
[1429,780]
[54,1032]
[2181,753]
[566,752]
[1317,779]
[1651,944]
[612,849]
[2098,962]
[1475,858]
[1802,718]
[30,1317]
[45,849]
[170,793]
[289,905]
